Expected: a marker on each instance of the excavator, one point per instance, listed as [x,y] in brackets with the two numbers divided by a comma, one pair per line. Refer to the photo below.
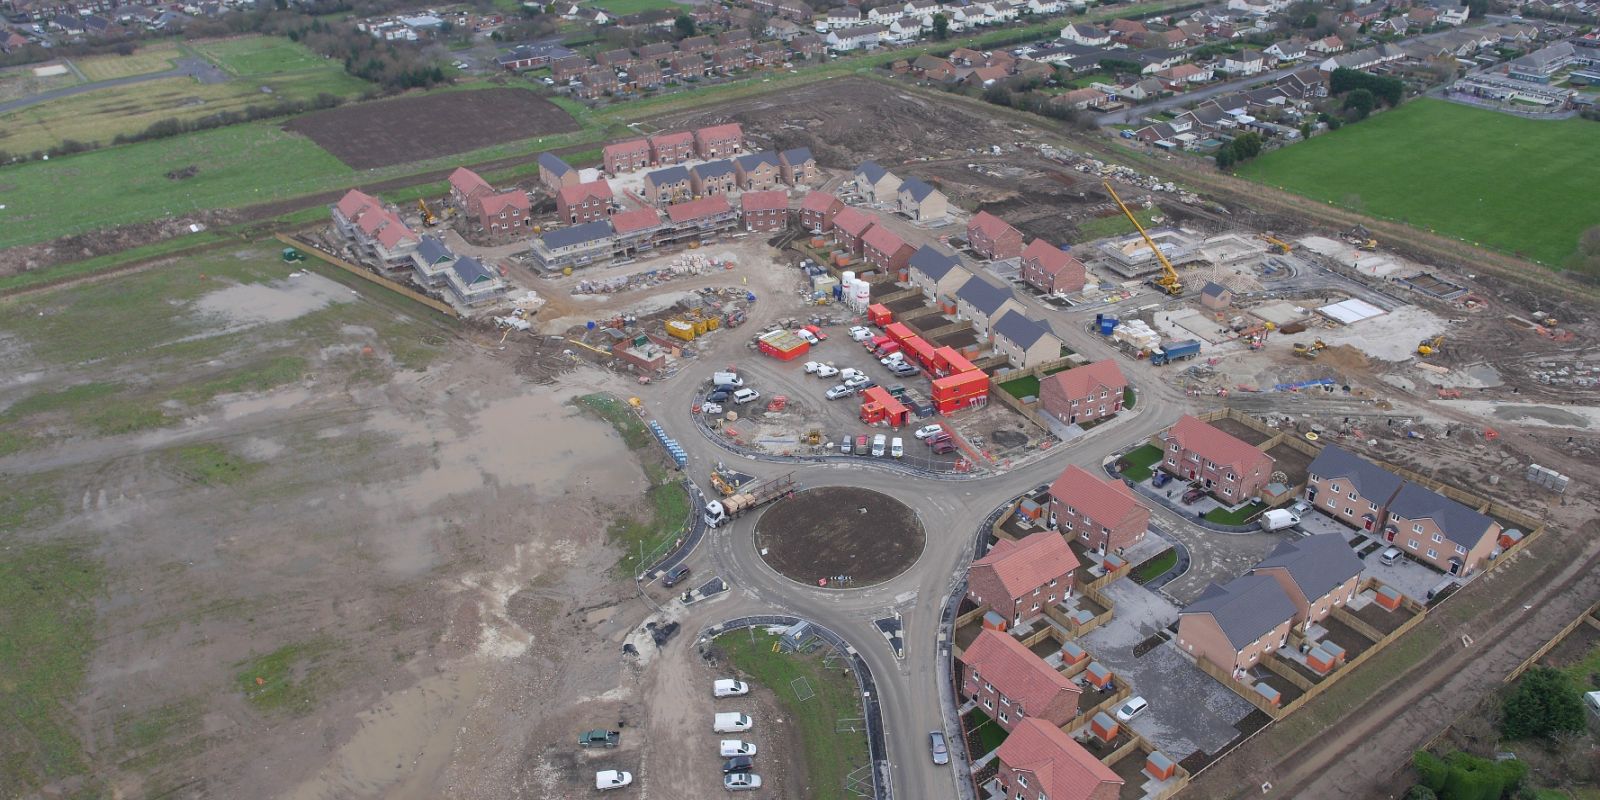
[1309,350]
[1168,280]
[428,218]
[1280,245]
[1429,347]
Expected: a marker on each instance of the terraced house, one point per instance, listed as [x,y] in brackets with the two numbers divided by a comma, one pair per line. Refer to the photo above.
[1104,515]
[982,303]
[1350,488]
[885,249]
[373,232]
[719,141]
[713,177]
[1025,343]
[1237,624]
[936,273]
[817,211]
[1039,761]
[1439,531]
[1229,468]
[1317,573]
[671,148]
[1011,684]
[1019,579]
[850,225]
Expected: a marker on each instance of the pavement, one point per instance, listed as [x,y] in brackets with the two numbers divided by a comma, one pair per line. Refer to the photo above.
[198,68]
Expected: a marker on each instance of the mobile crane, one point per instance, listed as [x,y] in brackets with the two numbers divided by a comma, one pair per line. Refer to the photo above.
[1168,280]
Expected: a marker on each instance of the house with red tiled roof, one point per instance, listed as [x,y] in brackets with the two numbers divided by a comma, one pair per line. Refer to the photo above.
[1101,513]
[1039,761]
[1011,684]
[1230,468]
[501,214]
[1018,580]
[374,231]
[705,212]
[992,238]
[764,211]
[584,202]
[885,249]
[464,183]
[634,230]
[817,211]
[1051,270]
[671,148]
[620,157]
[719,141]
[849,226]
[1083,394]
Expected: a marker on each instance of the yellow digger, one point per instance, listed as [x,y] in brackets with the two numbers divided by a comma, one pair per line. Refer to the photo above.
[1280,245]
[1309,350]
[1429,347]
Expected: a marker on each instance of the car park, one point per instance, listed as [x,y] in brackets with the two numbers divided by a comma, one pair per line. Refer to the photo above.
[944,446]
[897,447]
[746,396]
[732,722]
[880,444]
[612,779]
[840,391]
[827,371]
[737,747]
[1194,493]
[813,366]
[937,746]
[928,430]
[675,576]
[741,782]
[728,687]
[738,764]
[1133,708]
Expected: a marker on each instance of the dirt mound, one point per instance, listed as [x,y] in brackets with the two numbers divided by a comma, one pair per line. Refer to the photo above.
[1344,358]
[840,531]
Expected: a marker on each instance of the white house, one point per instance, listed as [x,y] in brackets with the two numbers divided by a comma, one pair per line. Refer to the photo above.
[841,17]
[1452,13]
[883,15]
[921,8]
[1286,50]
[1244,62]
[1046,7]
[905,30]
[857,38]
[1086,34]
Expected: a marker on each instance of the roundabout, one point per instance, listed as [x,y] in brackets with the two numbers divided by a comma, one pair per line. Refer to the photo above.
[840,536]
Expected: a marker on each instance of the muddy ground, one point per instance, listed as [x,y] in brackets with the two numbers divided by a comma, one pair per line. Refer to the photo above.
[840,531]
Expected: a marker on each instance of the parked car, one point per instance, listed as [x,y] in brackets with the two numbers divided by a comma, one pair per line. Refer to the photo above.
[746,396]
[813,366]
[1134,707]
[896,391]
[728,687]
[612,779]
[928,430]
[738,764]
[732,722]
[737,747]
[940,750]
[937,438]
[1161,479]
[892,359]
[944,446]
[904,369]
[897,447]
[880,443]
[861,445]
[848,373]
[817,332]
[719,396]
[840,391]
[675,576]
[858,381]
[1194,493]
[807,336]
[844,446]
[727,378]
[741,782]
[860,334]
[1389,556]
[827,371]
[1301,509]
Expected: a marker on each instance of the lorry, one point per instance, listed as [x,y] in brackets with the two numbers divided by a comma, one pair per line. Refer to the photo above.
[1175,351]
[1277,519]
[718,512]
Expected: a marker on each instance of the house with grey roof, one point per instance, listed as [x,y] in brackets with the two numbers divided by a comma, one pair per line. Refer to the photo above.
[876,183]
[1319,573]
[758,171]
[1350,488]
[982,303]
[797,166]
[431,260]
[556,174]
[1237,624]
[920,201]
[1441,532]
[577,246]
[471,283]
[667,186]
[936,273]
[713,177]
[1025,343]
[1215,296]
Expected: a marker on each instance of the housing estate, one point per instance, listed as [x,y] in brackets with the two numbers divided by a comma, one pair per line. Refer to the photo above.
[1018,580]
[1101,513]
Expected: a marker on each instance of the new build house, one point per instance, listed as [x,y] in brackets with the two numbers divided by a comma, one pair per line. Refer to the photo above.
[817,211]
[992,238]
[920,201]
[936,273]
[1018,580]
[1230,468]
[1039,761]
[628,156]
[584,202]
[757,171]
[1011,684]
[1102,514]
[1237,624]
[876,184]
[464,184]
[671,148]
[373,231]
[764,211]
[1350,489]
[850,226]
[1439,531]
[667,186]
[719,141]
[1025,343]
[713,177]
[555,173]
[1051,270]
[982,303]
[1318,573]
[797,166]
[1083,394]
[884,249]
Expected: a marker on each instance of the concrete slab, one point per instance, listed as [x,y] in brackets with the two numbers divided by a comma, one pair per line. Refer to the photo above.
[1280,313]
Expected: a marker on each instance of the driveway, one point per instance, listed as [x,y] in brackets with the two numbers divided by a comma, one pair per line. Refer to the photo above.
[198,68]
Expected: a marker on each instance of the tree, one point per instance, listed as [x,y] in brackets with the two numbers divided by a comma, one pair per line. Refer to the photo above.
[1225,156]
[1305,130]
[1462,776]
[1419,792]
[1119,65]
[1543,705]
[941,27]
[1247,146]
[684,25]
[1586,259]
[1477,8]
[1360,102]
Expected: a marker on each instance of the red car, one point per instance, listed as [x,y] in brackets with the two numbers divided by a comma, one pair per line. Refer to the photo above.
[1194,493]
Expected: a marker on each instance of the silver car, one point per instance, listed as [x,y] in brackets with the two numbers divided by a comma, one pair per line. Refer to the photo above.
[941,752]
[741,782]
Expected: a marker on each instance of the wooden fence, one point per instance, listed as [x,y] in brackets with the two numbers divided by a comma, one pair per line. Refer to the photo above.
[367,275]
[1588,617]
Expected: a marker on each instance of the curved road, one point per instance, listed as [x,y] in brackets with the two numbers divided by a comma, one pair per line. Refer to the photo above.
[194,67]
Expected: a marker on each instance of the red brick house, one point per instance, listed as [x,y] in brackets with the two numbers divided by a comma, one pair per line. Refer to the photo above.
[464,183]
[565,69]
[765,211]
[1318,573]
[698,45]
[627,156]
[1103,514]
[992,238]
[1230,468]
[501,214]
[671,148]
[796,166]
[849,226]
[719,141]
[1237,624]
[1013,684]
[584,202]
[1439,531]
[1039,761]
[1017,580]
[1051,270]
[817,211]
[1083,394]
[1350,489]
[757,171]
[885,250]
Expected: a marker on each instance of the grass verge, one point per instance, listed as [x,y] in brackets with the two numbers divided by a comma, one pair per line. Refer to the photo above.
[1139,461]
[632,429]
[1237,516]
[643,541]
[1155,567]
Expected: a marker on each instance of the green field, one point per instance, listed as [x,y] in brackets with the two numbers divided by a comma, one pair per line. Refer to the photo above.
[625,7]
[1517,185]
[1117,224]
[18,82]
[144,61]
[250,56]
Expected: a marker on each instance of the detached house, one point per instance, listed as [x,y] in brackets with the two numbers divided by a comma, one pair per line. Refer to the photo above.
[920,201]
[1080,33]
[885,250]
[1039,761]
[464,183]
[1018,580]
[992,238]
[667,186]
[1237,624]
[850,225]
[797,166]
[719,141]
[555,173]
[817,211]
[1051,270]
[1102,514]
[501,214]
[1317,573]
[1350,488]
[1439,531]
[983,302]
[757,171]
[1083,394]
[628,156]
[584,202]
[937,274]
[1024,342]
[1245,62]
[1328,45]
[1287,50]
[877,184]
[713,177]
[1231,469]
[765,211]
[1013,684]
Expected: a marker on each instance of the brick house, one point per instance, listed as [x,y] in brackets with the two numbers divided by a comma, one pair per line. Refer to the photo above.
[817,211]
[1083,394]
[797,166]
[628,156]
[992,238]
[1039,761]
[936,273]
[1350,489]
[1024,342]
[1102,514]
[688,65]
[1318,573]
[707,215]
[920,201]
[885,249]
[565,69]
[983,302]
[698,45]
[1439,531]
[719,141]
[1215,296]
[757,171]
[1231,469]
[1019,579]
[765,211]
[575,246]
[667,186]
[584,202]
[1237,624]
[849,226]
[621,58]
[501,214]
[373,231]
[713,177]
[597,81]
[555,173]
[464,183]
[808,45]
[876,183]
[1052,270]
[634,230]
[1011,684]
[671,148]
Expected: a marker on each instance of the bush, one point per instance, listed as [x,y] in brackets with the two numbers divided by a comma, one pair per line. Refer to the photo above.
[1544,704]
[1420,792]
[1462,776]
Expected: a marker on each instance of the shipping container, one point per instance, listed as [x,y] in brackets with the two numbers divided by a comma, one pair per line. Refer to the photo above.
[919,349]
[782,345]
[898,331]
[879,314]
[956,392]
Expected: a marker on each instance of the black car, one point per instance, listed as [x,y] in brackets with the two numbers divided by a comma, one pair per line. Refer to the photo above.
[718,396]
[738,764]
[675,575]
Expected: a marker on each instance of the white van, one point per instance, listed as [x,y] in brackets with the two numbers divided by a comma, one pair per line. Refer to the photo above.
[746,396]
[728,687]
[737,747]
[879,444]
[732,722]
[807,336]
[726,379]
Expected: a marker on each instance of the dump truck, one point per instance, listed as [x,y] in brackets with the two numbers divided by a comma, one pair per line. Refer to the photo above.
[719,512]
[1175,351]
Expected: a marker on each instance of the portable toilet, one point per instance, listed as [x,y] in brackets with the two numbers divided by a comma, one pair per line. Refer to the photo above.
[1098,675]
[1269,693]
[994,621]
[1388,597]
[1158,766]
[1072,654]
[1104,727]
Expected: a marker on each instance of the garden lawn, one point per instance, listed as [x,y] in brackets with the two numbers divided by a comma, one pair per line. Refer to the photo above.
[1238,516]
[1140,461]
[1155,567]
[989,733]
[1518,185]
[625,7]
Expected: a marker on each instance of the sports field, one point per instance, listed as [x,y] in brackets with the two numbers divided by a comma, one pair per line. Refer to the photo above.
[147,59]
[624,7]
[1518,185]
[261,55]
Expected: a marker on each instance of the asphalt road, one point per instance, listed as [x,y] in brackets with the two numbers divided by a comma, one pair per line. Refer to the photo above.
[197,68]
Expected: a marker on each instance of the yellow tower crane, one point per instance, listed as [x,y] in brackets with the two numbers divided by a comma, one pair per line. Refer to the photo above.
[1169,277]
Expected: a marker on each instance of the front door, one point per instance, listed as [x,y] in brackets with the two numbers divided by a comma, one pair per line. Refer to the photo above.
[1455,566]
[1311,494]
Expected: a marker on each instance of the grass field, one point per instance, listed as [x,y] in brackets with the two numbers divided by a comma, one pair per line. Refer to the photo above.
[144,61]
[250,56]
[1517,185]
[18,82]
[624,7]
[1117,224]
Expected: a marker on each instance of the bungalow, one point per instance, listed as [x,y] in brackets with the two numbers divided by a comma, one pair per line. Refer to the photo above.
[667,186]
[884,249]
[850,225]
[1012,683]
[796,166]
[1083,394]
[1286,50]
[1102,513]
[1182,74]
[1019,579]
[373,231]
[920,201]
[1123,28]
[555,173]
[982,303]
[1244,62]
[525,57]
[1159,133]
[985,76]
[861,37]
[817,211]
[1350,489]
[1024,342]
[1082,99]
[875,183]
[1397,26]
[933,68]
[1439,531]
[626,156]
[1039,760]
[1453,14]
[1091,35]
[576,246]
[937,274]
[1237,624]
[1327,45]
[1230,468]
[1051,270]
[584,202]
[719,141]
[765,211]
[990,237]
[1141,90]
[1363,14]
[1318,573]
[473,284]
[713,177]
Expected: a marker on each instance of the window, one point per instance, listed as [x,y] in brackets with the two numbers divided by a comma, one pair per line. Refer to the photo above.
[1437,538]
[1004,718]
[989,687]
[1416,527]
[1432,553]
[1412,544]
[1461,550]
[1352,495]
[1228,492]
[1052,581]
[1004,701]
[1349,512]
[1334,488]
[989,704]
[1333,502]
[1022,781]
[1371,506]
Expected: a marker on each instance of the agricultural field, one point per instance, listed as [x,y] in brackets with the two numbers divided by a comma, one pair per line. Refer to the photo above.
[147,60]
[19,82]
[1518,185]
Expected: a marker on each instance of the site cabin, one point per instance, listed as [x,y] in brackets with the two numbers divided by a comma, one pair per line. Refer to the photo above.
[782,345]
[919,349]
[879,315]
[948,362]
[899,332]
[958,392]
[880,406]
